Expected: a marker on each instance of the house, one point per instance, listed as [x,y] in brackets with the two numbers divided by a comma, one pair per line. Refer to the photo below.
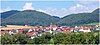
[56,31]
[72,29]
[59,29]
[36,29]
[24,28]
[31,34]
[40,34]
[68,30]
[76,26]
[2,32]
[30,30]
[75,30]
[53,27]
[50,31]
[84,29]
[44,29]
[81,29]
[64,27]
[97,27]
[13,31]
[20,31]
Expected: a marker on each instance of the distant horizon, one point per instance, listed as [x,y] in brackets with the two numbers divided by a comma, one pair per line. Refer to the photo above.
[52,15]
[54,8]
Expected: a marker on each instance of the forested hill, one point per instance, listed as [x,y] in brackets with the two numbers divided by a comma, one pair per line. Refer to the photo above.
[80,18]
[29,17]
[8,13]
[33,17]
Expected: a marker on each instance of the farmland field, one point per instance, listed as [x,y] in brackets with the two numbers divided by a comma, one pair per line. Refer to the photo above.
[9,27]
[93,24]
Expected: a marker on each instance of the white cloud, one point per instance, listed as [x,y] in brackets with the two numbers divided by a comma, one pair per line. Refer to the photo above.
[78,8]
[82,6]
[54,11]
[42,10]
[5,9]
[28,6]
[92,3]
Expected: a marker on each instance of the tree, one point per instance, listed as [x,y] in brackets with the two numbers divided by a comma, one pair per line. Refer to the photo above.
[7,39]
[20,38]
[51,41]
[48,38]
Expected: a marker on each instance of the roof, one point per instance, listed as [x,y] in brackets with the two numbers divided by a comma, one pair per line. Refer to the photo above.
[3,32]
[80,27]
[31,33]
[85,28]
[67,30]
[53,26]
[20,31]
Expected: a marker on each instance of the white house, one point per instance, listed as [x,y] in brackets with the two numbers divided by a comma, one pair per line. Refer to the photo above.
[84,29]
[29,30]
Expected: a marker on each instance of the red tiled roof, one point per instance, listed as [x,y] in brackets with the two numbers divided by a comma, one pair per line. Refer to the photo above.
[3,32]
[67,30]
[53,26]
[80,27]
[31,33]
[85,28]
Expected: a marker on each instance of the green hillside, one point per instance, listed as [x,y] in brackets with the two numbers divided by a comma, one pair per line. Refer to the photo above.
[8,13]
[80,18]
[29,17]
[33,17]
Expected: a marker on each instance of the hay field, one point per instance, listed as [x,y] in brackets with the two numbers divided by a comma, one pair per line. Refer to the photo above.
[10,27]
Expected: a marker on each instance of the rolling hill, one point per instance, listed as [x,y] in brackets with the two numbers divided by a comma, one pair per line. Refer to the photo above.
[29,17]
[33,17]
[80,18]
[8,13]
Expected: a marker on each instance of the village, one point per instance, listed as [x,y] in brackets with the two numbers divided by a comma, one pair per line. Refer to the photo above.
[35,31]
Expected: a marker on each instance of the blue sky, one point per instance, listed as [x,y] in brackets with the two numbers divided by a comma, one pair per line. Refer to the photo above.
[58,8]
[38,4]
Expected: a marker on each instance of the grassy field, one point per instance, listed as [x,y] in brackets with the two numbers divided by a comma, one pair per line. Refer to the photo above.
[10,27]
[91,24]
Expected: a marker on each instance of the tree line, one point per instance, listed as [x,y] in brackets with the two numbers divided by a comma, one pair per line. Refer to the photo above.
[48,38]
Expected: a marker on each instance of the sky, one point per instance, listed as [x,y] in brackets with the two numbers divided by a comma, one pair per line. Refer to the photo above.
[58,8]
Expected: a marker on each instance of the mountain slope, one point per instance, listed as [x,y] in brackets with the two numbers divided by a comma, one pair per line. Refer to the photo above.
[33,17]
[96,11]
[81,18]
[8,13]
[29,17]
